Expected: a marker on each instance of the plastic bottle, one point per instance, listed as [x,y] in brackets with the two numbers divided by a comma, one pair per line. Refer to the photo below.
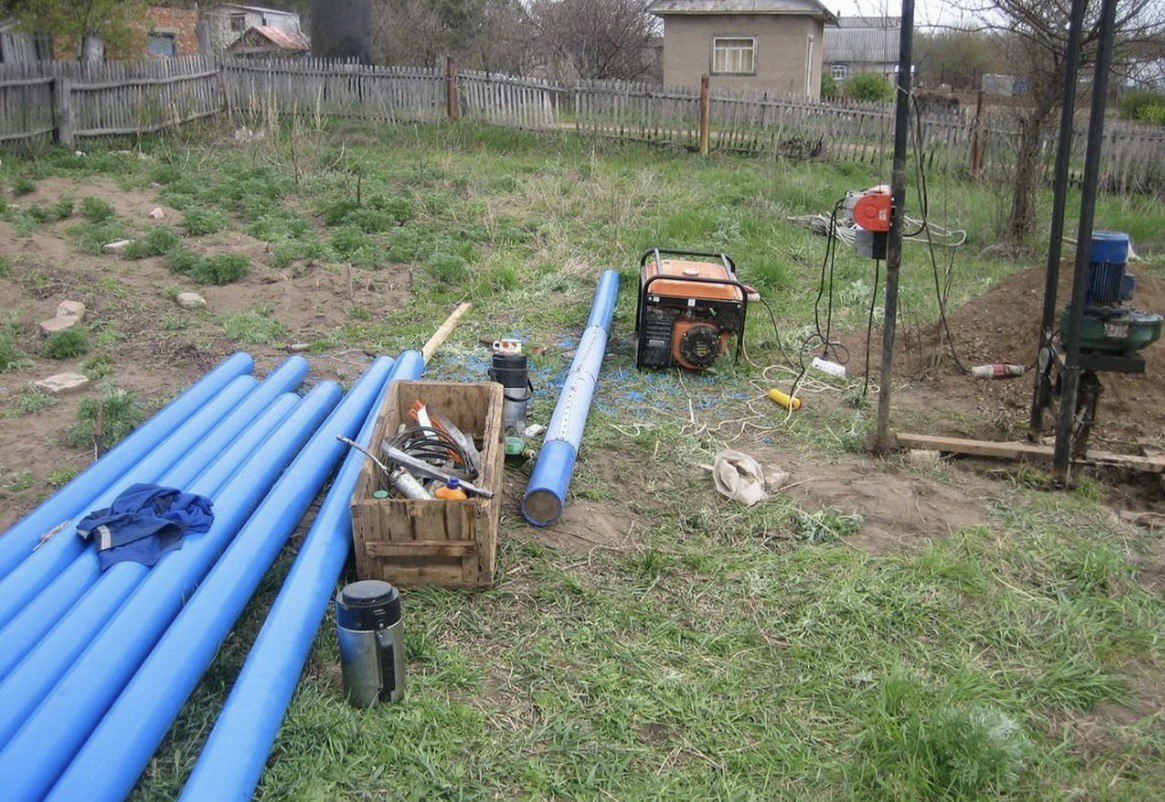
[451,491]
[783,399]
[826,366]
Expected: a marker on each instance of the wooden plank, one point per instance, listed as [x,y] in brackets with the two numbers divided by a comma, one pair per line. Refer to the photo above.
[420,548]
[1021,451]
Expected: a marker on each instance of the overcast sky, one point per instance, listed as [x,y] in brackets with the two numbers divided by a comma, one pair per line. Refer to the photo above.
[926,12]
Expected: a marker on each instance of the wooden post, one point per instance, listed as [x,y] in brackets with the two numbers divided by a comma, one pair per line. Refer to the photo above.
[451,88]
[63,109]
[977,138]
[705,115]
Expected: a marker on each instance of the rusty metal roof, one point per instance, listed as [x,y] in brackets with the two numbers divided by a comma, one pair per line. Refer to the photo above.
[282,38]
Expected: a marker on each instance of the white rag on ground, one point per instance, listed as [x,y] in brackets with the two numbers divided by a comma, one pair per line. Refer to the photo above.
[739,477]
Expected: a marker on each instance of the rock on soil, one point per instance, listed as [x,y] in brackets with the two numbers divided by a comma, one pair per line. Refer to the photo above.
[191,300]
[117,247]
[62,383]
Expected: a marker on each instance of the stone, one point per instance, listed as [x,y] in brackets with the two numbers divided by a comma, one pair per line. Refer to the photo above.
[56,324]
[157,213]
[62,383]
[923,457]
[190,300]
[116,247]
[71,309]
[296,348]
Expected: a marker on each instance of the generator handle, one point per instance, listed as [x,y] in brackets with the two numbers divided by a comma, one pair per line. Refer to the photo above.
[724,258]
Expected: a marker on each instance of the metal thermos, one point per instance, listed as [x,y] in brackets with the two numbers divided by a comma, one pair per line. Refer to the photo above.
[368,624]
[510,369]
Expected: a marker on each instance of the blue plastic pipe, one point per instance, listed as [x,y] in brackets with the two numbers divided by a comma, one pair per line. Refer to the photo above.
[41,750]
[54,608]
[43,611]
[121,746]
[232,761]
[546,493]
[32,575]
[78,496]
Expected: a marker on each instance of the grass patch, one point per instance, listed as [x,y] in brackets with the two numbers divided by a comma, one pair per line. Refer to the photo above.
[105,421]
[23,186]
[254,327]
[30,401]
[96,210]
[11,357]
[67,344]
[91,238]
[158,241]
[199,222]
[223,268]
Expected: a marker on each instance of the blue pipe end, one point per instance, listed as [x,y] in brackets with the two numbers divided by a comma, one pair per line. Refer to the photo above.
[545,496]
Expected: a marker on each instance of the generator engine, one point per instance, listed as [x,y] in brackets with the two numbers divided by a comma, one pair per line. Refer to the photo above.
[690,309]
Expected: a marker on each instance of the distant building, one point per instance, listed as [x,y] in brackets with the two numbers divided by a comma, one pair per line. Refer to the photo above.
[264,41]
[766,45]
[226,23]
[170,31]
[862,44]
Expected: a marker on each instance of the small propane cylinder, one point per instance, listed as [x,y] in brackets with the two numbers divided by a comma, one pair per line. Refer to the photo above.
[368,625]
[510,369]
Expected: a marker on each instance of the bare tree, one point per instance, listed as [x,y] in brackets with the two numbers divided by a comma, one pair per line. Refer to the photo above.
[596,38]
[490,35]
[1034,37]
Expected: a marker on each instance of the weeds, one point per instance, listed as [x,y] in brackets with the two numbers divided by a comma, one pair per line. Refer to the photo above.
[223,268]
[105,421]
[158,241]
[23,186]
[254,327]
[198,221]
[67,344]
[96,210]
[11,357]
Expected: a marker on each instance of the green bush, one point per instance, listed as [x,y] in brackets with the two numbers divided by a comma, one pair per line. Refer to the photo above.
[158,241]
[448,268]
[379,213]
[223,268]
[11,356]
[5,268]
[60,210]
[93,237]
[869,86]
[255,327]
[829,87]
[199,222]
[67,344]
[1143,106]
[23,186]
[96,210]
[107,420]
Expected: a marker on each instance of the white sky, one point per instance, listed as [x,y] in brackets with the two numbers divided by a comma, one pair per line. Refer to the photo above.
[926,12]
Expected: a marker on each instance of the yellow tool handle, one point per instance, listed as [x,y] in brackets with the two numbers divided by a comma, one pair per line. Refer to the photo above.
[784,399]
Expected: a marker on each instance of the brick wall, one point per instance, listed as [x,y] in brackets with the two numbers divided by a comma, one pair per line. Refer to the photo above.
[782,51]
[182,22]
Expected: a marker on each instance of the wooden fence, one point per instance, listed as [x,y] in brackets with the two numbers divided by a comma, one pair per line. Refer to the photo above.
[69,101]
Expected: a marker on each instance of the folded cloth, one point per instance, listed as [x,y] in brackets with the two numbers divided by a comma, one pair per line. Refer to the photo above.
[145,522]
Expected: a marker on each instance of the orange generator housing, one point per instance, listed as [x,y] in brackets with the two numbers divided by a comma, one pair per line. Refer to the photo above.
[690,309]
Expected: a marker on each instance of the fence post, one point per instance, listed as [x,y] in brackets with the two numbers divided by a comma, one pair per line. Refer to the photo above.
[977,139]
[705,115]
[451,88]
[63,109]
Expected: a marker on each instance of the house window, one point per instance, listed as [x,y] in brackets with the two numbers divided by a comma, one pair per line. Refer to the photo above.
[162,44]
[734,56]
[238,22]
[839,71]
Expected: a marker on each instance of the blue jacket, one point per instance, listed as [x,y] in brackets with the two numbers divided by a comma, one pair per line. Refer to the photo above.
[144,523]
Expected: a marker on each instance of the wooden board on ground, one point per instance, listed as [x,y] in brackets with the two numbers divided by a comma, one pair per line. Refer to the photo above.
[1027,451]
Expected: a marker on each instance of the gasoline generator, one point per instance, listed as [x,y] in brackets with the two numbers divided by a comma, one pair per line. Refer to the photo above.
[690,309]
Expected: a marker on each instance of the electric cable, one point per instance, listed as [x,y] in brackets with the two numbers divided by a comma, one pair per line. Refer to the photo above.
[870,325]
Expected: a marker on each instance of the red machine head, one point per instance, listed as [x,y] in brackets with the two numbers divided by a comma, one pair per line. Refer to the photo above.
[872,211]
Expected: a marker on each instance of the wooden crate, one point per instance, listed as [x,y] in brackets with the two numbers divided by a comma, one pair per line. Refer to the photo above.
[413,542]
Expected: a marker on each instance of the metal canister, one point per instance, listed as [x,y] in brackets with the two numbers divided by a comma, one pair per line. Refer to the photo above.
[368,625]
[511,370]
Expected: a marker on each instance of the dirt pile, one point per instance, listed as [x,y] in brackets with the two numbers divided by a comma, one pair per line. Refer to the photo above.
[1002,325]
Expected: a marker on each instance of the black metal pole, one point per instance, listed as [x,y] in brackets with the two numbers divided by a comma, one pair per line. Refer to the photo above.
[894,241]
[1042,391]
[1062,456]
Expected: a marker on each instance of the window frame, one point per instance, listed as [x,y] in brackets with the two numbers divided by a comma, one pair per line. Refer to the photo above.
[839,71]
[162,33]
[739,38]
[238,23]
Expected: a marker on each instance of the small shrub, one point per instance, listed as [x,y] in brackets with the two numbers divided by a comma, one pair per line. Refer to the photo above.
[223,268]
[96,210]
[1143,105]
[11,357]
[829,87]
[448,268]
[255,327]
[199,222]
[67,344]
[32,400]
[23,186]
[158,241]
[106,420]
[60,210]
[5,268]
[92,238]
[869,86]
[284,253]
